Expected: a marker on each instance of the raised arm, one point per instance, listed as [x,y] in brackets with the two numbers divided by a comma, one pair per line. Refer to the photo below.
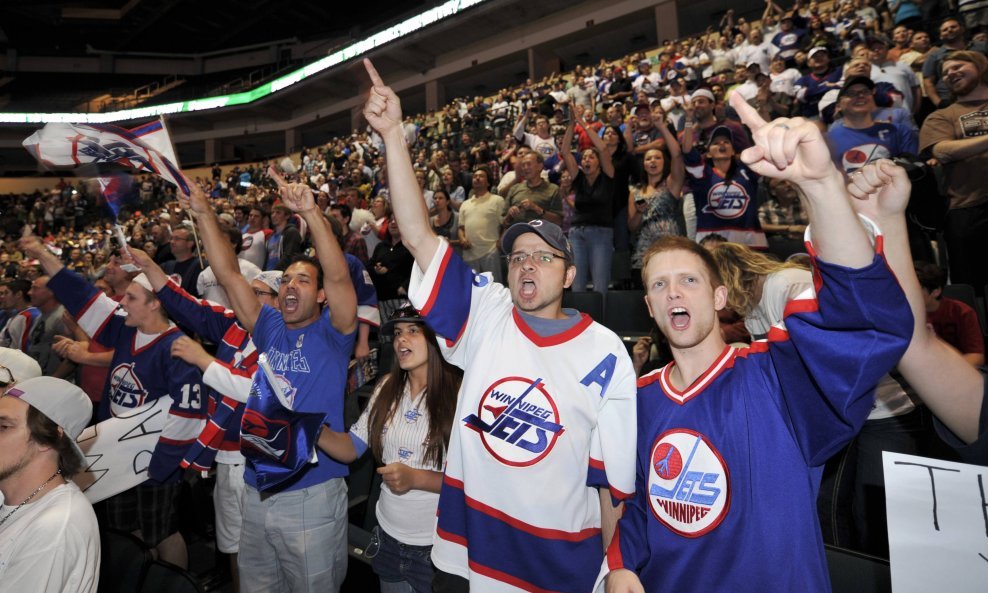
[156,276]
[566,153]
[336,274]
[606,164]
[383,113]
[950,386]
[519,130]
[32,246]
[677,169]
[222,259]
[795,150]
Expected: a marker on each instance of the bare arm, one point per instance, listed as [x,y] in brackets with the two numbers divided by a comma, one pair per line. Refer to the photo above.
[564,150]
[949,151]
[950,386]
[677,169]
[156,276]
[336,275]
[609,515]
[383,112]
[519,131]
[931,92]
[337,445]
[222,258]
[33,247]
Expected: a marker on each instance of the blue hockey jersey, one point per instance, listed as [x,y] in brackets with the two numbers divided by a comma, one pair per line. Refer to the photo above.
[728,470]
[141,371]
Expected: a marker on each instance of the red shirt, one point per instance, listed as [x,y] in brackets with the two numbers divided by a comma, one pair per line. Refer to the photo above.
[957,324]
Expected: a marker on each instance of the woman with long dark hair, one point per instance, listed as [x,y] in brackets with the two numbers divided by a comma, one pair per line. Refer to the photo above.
[655,207]
[406,427]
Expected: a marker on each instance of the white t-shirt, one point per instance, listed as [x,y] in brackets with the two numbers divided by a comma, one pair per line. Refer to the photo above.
[52,545]
[785,81]
[410,517]
[209,288]
[254,248]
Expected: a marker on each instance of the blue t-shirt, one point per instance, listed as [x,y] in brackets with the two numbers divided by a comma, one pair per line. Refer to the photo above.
[854,148]
[311,363]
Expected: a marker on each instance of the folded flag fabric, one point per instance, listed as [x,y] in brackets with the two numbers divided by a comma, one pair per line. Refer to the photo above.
[63,145]
[278,441]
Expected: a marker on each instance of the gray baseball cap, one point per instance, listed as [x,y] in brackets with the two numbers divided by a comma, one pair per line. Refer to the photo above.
[549,231]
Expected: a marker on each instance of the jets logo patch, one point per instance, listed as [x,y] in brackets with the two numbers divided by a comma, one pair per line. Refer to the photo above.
[688,483]
[727,200]
[126,389]
[517,421]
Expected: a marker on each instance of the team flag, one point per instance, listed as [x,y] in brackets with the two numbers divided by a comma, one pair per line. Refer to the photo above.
[63,145]
[279,441]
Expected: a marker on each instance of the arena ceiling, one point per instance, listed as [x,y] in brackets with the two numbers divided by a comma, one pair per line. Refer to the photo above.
[58,27]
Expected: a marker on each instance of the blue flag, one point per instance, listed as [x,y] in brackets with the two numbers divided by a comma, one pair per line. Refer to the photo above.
[278,441]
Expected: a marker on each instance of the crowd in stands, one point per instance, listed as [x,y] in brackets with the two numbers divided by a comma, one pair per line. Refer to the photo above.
[618,154]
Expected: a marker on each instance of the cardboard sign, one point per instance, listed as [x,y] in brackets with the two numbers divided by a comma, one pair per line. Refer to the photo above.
[119,449]
[938,524]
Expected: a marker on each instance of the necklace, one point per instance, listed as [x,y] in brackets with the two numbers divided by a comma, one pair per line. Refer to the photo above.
[33,494]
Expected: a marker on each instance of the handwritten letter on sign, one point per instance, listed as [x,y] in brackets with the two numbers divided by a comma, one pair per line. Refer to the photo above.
[938,524]
[118,450]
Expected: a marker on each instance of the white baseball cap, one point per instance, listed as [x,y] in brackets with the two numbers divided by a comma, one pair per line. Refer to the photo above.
[20,365]
[62,402]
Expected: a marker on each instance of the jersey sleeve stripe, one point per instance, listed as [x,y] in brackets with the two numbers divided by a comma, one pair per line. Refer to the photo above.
[369,314]
[437,281]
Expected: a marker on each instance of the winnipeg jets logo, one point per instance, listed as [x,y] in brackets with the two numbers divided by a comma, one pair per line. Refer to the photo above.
[126,389]
[727,200]
[688,483]
[517,421]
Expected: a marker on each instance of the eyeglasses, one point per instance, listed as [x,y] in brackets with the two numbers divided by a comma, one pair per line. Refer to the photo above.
[261,293]
[543,258]
[857,94]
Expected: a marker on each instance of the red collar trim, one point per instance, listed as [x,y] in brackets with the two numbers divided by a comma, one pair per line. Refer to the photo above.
[681,397]
[553,340]
[133,343]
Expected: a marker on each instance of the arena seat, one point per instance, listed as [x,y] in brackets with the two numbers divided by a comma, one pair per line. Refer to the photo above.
[591,303]
[164,577]
[626,315]
[125,559]
[854,572]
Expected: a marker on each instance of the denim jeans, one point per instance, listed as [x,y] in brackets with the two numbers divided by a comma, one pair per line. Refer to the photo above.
[403,568]
[593,247]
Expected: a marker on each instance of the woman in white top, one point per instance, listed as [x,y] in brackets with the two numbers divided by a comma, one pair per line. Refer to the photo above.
[406,426]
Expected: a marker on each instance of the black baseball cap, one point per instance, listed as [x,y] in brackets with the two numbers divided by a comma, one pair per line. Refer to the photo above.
[406,313]
[864,80]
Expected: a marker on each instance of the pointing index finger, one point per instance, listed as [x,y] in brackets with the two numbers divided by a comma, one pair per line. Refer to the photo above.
[749,116]
[276,176]
[376,79]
